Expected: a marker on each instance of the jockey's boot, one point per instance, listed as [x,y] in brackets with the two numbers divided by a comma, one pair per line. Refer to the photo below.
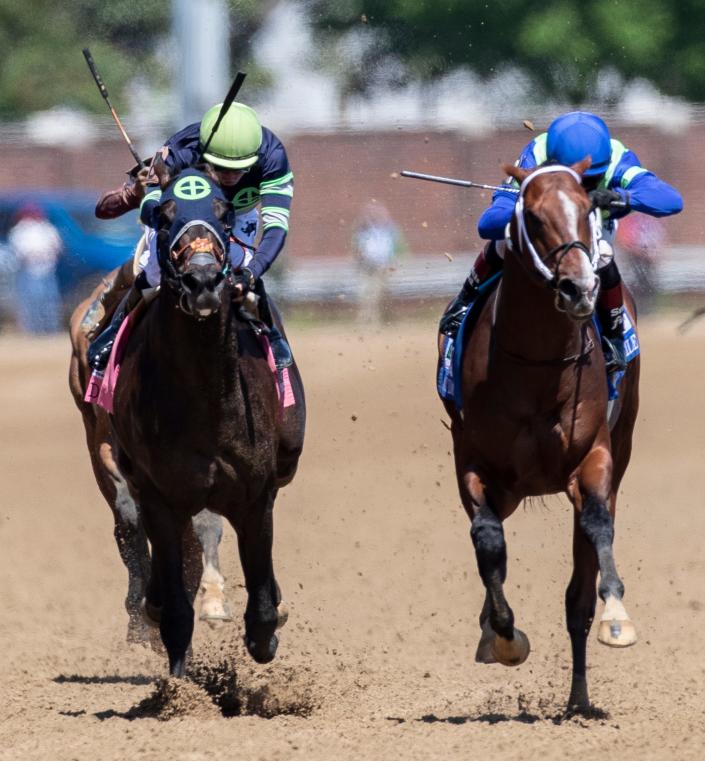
[280,348]
[610,311]
[100,348]
[487,264]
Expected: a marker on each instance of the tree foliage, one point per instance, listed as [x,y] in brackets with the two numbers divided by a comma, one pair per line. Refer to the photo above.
[562,45]
[41,40]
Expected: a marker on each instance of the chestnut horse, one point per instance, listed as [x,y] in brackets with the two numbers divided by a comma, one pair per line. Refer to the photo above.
[534,417]
[198,424]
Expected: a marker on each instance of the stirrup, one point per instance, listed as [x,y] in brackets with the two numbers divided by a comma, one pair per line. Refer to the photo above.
[99,349]
[280,349]
[613,350]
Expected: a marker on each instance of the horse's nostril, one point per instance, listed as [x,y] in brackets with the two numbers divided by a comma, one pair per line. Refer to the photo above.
[190,282]
[569,289]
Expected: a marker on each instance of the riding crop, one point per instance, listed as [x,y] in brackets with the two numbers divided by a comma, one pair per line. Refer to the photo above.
[104,92]
[229,98]
[453,181]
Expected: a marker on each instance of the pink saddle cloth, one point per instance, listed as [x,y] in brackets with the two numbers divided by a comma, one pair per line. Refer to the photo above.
[102,385]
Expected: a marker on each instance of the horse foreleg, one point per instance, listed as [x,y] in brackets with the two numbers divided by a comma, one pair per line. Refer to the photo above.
[597,509]
[500,641]
[209,530]
[264,613]
[166,593]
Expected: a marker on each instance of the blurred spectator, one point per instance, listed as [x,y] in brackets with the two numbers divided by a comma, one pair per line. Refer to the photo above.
[642,238]
[376,243]
[8,272]
[36,245]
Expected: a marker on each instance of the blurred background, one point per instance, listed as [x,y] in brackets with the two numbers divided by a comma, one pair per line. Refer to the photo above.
[357,90]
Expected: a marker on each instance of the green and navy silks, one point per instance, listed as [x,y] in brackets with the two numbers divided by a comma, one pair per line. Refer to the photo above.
[269,183]
[194,194]
[645,191]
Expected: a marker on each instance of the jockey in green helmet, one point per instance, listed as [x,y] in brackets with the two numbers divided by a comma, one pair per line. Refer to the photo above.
[250,164]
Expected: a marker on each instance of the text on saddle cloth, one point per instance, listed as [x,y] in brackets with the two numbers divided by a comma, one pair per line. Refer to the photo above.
[451,359]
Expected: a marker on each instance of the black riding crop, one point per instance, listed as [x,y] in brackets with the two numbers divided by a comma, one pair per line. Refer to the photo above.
[104,92]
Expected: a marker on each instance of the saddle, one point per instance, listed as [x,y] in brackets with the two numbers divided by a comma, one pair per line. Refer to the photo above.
[451,352]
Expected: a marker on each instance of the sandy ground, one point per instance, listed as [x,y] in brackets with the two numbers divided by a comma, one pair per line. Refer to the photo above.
[374,558]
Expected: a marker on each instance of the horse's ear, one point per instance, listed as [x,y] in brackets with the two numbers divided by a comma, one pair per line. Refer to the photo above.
[167,212]
[162,171]
[222,210]
[582,166]
[207,169]
[516,172]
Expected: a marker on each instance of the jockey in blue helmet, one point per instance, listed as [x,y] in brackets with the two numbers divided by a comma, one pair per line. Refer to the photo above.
[615,174]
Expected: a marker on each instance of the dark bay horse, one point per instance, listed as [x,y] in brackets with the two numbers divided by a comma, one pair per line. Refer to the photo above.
[206,531]
[534,417]
[198,424]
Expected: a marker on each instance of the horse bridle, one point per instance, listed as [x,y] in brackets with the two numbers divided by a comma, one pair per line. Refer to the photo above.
[201,247]
[562,249]
[551,278]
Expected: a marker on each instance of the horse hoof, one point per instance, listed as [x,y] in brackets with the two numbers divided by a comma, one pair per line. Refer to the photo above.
[262,653]
[137,630]
[282,614]
[214,612]
[483,654]
[617,633]
[511,652]
[151,613]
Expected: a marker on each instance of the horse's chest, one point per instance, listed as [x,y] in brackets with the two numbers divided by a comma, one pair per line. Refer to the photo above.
[543,452]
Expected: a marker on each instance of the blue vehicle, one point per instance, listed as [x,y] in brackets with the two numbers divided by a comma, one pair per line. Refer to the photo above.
[92,247]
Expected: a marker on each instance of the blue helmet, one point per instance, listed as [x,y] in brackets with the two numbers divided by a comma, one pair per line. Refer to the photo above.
[574,136]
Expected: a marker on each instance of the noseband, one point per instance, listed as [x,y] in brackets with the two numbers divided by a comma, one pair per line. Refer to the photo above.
[560,250]
[200,250]
[551,277]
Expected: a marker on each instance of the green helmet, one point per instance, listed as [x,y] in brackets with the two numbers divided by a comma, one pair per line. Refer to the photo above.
[237,140]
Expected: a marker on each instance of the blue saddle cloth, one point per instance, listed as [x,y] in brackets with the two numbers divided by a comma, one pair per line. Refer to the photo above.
[451,360]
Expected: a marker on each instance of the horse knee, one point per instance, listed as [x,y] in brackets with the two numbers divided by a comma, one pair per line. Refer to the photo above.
[596,522]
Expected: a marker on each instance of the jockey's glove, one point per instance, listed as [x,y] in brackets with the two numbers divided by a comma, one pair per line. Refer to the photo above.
[243,281]
[603,198]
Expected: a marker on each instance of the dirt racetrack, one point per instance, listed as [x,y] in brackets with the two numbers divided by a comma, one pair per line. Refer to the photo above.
[375,560]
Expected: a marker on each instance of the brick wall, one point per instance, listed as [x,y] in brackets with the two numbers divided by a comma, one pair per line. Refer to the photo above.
[337,174]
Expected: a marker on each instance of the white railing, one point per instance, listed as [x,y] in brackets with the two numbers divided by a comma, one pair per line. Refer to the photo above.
[680,269]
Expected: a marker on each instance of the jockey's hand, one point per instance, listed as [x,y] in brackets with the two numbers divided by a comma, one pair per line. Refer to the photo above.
[243,282]
[144,178]
[602,198]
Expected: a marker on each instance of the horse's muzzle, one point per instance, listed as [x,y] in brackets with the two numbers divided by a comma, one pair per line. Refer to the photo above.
[576,297]
[202,287]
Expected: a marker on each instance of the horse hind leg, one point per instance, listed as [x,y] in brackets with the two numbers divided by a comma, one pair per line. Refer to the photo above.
[508,646]
[580,599]
[214,608]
